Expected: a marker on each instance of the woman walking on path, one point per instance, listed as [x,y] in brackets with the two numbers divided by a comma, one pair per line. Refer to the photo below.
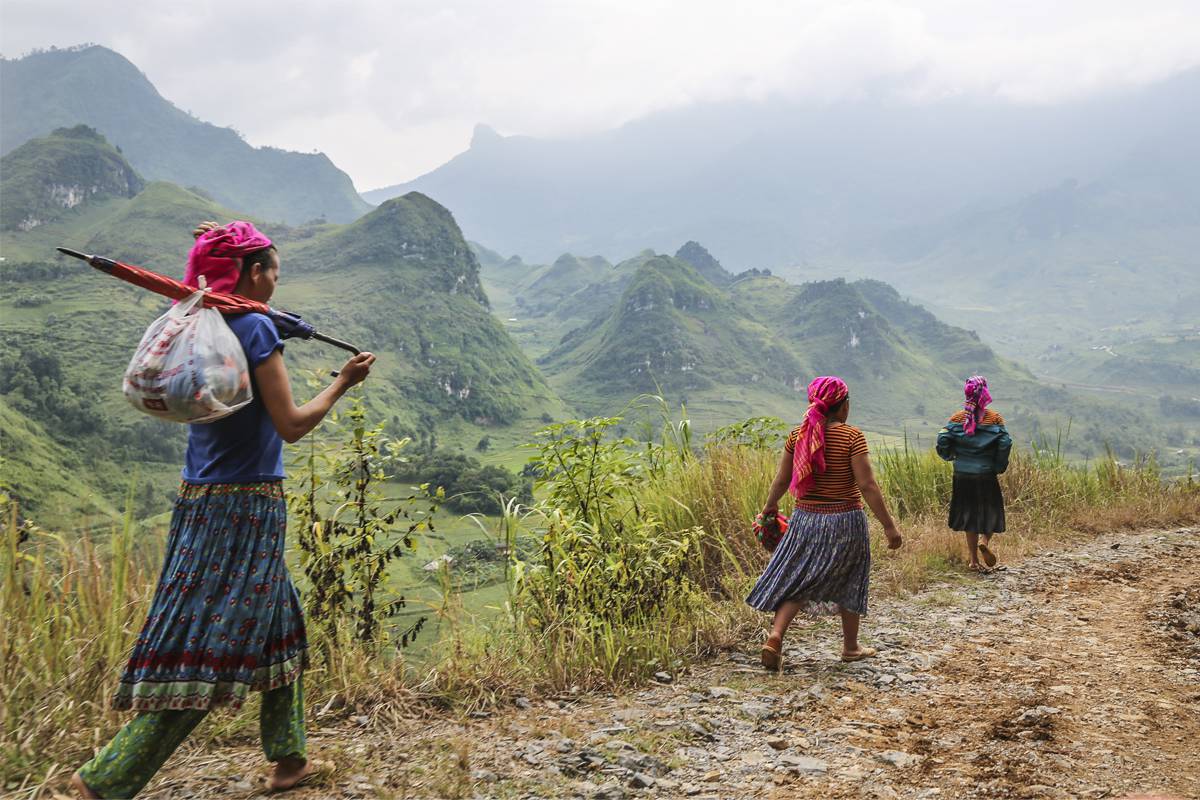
[225,619]
[823,563]
[976,441]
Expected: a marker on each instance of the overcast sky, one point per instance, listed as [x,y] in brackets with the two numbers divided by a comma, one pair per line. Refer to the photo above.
[390,89]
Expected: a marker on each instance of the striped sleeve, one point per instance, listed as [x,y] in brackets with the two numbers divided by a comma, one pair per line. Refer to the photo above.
[793,437]
[858,444]
[989,417]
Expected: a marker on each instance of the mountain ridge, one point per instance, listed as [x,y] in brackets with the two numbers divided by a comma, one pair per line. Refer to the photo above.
[98,87]
[400,281]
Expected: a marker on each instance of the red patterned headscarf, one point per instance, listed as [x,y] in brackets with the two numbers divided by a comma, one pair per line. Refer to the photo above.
[809,456]
[978,397]
[218,254]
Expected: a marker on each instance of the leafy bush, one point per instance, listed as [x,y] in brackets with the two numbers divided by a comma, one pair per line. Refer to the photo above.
[349,533]
[611,588]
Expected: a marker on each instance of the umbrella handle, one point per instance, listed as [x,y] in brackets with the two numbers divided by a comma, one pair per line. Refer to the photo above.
[336,342]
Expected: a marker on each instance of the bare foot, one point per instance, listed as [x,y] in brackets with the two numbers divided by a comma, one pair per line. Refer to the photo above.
[82,789]
[289,772]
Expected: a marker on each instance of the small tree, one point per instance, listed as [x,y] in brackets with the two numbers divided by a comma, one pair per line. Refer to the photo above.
[349,532]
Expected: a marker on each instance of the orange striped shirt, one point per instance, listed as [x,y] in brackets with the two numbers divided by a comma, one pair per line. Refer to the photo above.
[835,489]
[989,417]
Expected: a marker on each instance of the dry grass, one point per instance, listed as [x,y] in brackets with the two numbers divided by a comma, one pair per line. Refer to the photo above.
[69,610]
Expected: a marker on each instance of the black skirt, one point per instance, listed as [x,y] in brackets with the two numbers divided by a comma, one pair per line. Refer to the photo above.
[976,504]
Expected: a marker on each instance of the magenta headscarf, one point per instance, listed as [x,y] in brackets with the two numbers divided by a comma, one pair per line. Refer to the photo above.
[217,255]
[809,455]
[978,397]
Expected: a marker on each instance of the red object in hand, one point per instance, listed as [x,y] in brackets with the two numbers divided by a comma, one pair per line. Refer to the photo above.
[769,532]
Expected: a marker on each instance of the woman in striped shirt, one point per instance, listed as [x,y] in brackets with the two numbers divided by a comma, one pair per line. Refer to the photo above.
[823,563]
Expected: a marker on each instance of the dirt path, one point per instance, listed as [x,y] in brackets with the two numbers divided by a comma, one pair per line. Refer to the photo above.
[1075,674]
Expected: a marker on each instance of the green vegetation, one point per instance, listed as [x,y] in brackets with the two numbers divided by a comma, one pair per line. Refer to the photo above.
[703,262]
[635,559]
[47,178]
[94,86]
[401,282]
[348,540]
[655,324]
[469,486]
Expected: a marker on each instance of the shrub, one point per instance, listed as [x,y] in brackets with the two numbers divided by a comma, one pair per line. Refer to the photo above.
[349,533]
[468,486]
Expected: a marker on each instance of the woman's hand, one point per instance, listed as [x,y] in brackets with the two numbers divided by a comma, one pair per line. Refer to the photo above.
[894,539]
[356,369]
[205,227]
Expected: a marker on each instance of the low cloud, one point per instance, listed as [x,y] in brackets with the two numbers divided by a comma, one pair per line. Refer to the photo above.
[391,89]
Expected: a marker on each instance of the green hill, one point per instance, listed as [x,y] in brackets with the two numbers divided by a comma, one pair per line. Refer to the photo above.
[698,256]
[69,170]
[671,328]
[758,344]
[401,282]
[98,87]
[655,324]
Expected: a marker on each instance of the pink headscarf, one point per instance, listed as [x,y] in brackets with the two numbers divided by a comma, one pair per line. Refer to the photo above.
[978,397]
[217,255]
[809,455]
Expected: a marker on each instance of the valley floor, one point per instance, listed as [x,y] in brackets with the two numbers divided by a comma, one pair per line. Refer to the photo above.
[1073,674]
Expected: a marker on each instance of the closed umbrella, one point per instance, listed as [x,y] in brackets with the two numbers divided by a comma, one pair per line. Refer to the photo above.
[289,325]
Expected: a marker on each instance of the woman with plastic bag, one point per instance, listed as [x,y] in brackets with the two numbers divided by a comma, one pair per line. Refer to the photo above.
[225,619]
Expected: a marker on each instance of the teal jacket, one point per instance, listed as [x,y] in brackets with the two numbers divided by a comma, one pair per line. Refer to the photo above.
[986,451]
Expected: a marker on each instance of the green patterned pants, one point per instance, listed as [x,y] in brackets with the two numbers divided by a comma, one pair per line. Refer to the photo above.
[130,760]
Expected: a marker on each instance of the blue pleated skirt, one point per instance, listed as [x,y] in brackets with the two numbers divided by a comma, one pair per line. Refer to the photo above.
[824,561]
[225,619]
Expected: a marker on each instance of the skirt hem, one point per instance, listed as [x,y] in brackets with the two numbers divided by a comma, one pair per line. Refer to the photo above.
[203,696]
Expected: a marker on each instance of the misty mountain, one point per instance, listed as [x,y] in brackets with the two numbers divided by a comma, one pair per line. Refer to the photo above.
[1096,263]
[775,184]
[758,344]
[97,87]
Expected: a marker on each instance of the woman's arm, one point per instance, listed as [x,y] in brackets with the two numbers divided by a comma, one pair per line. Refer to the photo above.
[294,422]
[783,479]
[865,477]
[1003,448]
[945,444]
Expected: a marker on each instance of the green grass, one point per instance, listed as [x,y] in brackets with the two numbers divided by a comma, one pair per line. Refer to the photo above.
[400,282]
[70,606]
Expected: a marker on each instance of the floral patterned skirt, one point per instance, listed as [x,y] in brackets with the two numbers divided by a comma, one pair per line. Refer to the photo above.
[225,619]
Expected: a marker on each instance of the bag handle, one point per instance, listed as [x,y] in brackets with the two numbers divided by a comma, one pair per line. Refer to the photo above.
[188,304]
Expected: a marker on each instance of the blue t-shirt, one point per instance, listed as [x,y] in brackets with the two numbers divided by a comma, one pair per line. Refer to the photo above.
[243,447]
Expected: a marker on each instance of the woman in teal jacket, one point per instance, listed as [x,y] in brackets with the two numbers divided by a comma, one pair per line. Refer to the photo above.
[976,441]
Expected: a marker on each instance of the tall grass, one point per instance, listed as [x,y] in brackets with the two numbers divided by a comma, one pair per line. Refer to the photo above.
[68,614]
[641,565]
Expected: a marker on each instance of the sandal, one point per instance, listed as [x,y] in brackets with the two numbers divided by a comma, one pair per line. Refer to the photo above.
[863,652]
[989,558]
[772,654]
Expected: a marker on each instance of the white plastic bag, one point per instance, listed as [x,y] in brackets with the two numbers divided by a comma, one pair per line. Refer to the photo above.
[189,366]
